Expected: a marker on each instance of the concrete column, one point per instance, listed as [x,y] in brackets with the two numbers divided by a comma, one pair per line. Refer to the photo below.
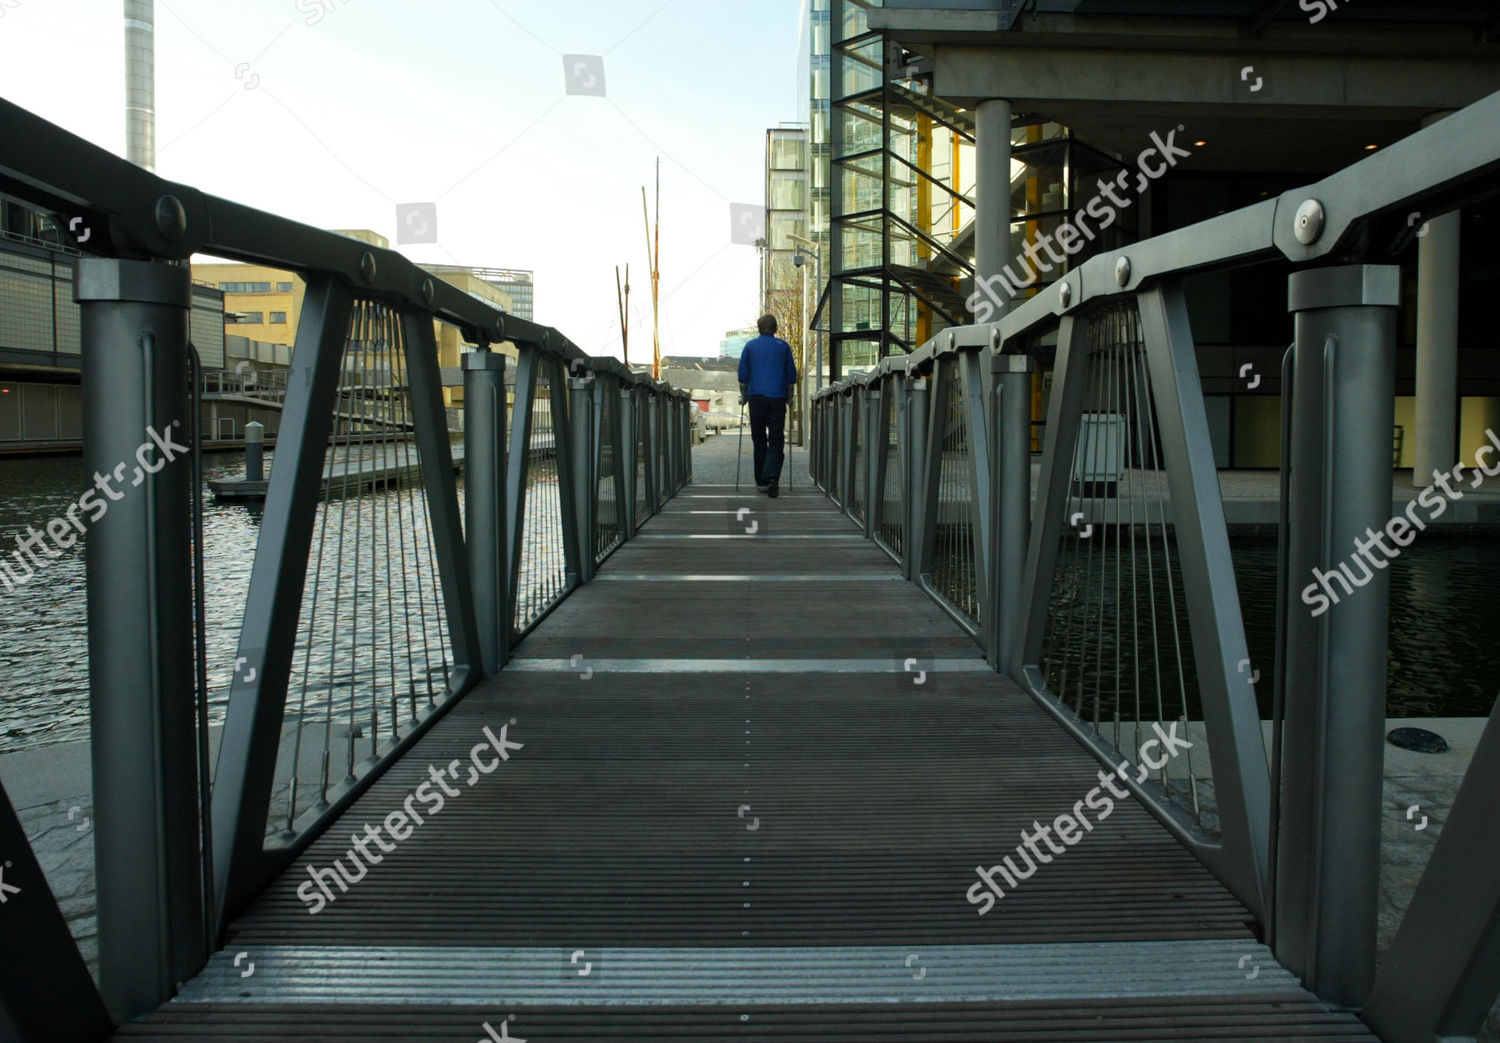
[1436,441]
[992,187]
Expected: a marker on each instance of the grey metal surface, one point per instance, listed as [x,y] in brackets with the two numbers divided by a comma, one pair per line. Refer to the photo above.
[1012,507]
[775,841]
[742,977]
[253,721]
[484,502]
[750,536]
[446,540]
[575,665]
[143,692]
[1440,976]
[1334,668]
[1248,1019]
[1231,716]
[745,577]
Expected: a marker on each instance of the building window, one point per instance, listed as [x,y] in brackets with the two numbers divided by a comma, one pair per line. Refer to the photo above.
[278,318]
[245,287]
[283,287]
[245,318]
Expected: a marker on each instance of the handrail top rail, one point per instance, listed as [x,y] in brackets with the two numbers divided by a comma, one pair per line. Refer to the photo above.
[133,213]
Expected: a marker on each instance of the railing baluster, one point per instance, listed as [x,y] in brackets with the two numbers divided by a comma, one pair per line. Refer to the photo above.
[253,721]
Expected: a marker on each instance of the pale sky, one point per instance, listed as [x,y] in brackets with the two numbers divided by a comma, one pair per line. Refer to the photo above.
[333,112]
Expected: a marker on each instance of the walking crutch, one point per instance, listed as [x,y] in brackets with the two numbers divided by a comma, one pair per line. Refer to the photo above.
[786,441]
[739,455]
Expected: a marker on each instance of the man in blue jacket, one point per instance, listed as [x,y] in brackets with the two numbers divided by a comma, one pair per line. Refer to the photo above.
[767,375]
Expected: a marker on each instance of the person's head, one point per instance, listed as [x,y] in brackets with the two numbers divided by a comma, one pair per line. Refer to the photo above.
[766,324]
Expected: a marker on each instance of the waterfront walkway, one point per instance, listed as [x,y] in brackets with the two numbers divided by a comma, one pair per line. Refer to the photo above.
[738,810]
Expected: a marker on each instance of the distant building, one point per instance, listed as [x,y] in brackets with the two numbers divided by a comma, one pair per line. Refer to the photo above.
[518,286]
[40,403]
[786,215]
[263,304]
[734,342]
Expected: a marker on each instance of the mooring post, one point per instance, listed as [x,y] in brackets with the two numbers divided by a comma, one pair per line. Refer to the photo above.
[255,451]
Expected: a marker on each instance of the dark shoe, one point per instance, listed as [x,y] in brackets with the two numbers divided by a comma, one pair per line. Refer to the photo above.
[772,491]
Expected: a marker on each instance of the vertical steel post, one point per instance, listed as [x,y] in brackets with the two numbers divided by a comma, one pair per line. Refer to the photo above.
[975,382]
[1012,507]
[658,492]
[484,501]
[518,472]
[914,491]
[565,456]
[875,439]
[1332,675]
[625,459]
[585,487]
[142,678]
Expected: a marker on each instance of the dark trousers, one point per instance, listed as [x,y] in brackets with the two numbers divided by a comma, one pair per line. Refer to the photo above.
[767,424]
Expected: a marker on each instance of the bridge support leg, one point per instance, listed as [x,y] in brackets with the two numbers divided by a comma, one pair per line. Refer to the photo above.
[142,679]
[1331,677]
[914,494]
[585,486]
[1012,507]
[484,501]
[626,458]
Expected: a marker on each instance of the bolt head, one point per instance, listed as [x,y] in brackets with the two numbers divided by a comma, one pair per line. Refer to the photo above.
[367,267]
[429,292]
[499,329]
[171,218]
[1122,272]
[949,340]
[1065,294]
[1309,222]
[995,339]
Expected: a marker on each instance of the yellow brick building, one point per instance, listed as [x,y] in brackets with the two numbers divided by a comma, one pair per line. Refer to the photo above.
[263,304]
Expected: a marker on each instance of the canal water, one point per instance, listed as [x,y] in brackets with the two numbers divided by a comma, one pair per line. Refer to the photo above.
[1444,658]
[43,637]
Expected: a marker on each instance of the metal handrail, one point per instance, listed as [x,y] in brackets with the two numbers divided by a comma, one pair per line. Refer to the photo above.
[134,218]
[1439,978]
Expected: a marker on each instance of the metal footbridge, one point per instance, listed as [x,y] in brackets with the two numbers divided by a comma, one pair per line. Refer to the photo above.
[958,740]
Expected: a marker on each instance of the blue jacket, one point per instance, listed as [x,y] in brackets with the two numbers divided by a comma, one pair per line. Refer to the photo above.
[766,365]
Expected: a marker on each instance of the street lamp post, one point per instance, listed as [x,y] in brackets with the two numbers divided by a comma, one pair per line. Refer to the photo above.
[812,247]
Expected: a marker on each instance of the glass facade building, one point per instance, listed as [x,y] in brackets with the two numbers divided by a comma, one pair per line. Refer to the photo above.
[891,176]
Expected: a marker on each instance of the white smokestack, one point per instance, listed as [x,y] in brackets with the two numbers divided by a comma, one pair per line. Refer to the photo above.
[140,83]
